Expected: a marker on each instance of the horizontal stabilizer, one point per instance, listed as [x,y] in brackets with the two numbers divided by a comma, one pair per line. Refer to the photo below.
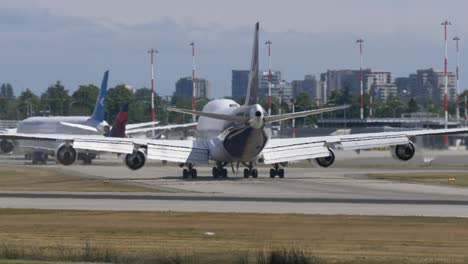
[80,126]
[276,118]
[231,118]
[140,125]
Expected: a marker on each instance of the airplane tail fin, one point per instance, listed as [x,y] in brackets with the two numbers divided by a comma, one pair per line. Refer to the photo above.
[251,97]
[98,113]
[118,129]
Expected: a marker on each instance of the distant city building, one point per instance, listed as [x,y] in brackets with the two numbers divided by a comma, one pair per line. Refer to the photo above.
[284,90]
[373,80]
[309,86]
[263,82]
[184,88]
[239,82]
[382,92]
[428,86]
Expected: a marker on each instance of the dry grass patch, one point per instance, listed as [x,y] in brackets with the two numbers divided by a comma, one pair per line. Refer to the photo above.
[43,179]
[332,238]
[460,178]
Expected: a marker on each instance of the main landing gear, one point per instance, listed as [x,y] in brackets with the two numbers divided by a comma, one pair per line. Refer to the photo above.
[250,171]
[219,170]
[189,172]
[276,171]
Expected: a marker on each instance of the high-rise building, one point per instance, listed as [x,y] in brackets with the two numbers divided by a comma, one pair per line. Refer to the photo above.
[263,82]
[239,82]
[184,89]
[309,86]
[334,80]
[428,86]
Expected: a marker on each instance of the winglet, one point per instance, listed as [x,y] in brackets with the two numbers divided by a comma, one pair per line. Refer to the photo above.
[99,108]
[118,129]
[251,96]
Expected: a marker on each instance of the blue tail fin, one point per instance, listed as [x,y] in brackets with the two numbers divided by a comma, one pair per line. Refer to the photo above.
[118,129]
[99,108]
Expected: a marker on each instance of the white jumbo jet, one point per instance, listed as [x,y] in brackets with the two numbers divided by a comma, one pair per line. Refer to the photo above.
[228,133]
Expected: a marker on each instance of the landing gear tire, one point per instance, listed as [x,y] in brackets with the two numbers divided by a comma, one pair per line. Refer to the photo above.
[185,174]
[246,173]
[225,173]
[194,173]
[281,173]
[254,173]
[272,173]
[215,172]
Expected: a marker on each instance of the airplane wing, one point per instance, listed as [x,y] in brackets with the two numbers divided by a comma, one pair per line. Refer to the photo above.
[80,126]
[181,151]
[295,149]
[147,129]
[140,125]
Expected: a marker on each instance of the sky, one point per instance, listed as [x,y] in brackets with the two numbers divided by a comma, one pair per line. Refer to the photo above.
[76,41]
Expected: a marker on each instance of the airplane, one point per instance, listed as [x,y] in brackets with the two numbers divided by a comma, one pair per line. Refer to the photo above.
[87,125]
[228,133]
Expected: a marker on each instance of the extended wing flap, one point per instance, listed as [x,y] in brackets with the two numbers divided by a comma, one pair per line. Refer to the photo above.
[286,151]
[123,147]
[178,153]
[373,142]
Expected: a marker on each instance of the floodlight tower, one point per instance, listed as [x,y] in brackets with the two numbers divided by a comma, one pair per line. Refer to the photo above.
[456,38]
[152,52]
[445,24]
[194,106]
[360,41]
[269,75]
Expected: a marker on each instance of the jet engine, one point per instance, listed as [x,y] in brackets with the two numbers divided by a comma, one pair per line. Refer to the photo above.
[6,146]
[403,152]
[65,154]
[326,162]
[136,160]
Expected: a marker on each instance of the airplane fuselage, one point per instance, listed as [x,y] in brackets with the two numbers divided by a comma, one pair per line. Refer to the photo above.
[233,141]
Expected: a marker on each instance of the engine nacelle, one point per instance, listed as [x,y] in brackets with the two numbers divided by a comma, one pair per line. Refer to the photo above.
[6,146]
[326,162]
[65,154]
[403,152]
[136,160]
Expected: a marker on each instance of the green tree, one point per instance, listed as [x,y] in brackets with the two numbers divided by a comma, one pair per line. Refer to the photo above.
[413,106]
[28,104]
[115,98]
[56,100]
[6,91]
[84,99]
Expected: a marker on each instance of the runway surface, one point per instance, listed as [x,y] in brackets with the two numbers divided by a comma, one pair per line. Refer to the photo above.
[303,191]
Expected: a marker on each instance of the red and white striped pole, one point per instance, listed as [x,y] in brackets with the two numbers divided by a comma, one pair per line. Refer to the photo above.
[269,76]
[445,24]
[151,52]
[456,38]
[194,104]
[360,41]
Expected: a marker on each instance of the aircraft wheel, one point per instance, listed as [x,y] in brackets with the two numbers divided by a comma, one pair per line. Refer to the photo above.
[225,173]
[194,173]
[272,173]
[246,173]
[185,174]
[215,172]
[254,173]
[281,173]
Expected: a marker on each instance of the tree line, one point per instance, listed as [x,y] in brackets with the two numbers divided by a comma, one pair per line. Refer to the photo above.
[57,101]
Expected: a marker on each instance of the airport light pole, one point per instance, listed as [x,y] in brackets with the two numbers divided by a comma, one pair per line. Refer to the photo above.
[456,38]
[194,106]
[445,24]
[269,75]
[360,41]
[293,102]
[152,52]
